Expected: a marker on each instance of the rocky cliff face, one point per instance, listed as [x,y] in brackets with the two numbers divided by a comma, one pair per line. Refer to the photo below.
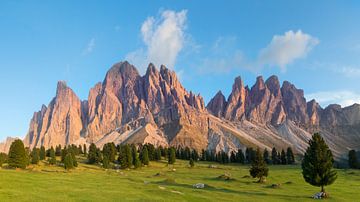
[129,108]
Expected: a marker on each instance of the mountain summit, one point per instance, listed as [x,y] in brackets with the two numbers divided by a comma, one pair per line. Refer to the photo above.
[155,108]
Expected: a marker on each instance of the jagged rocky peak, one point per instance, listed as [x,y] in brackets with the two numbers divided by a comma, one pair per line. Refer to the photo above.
[217,104]
[294,103]
[273,85]
[314,111]
[235,108]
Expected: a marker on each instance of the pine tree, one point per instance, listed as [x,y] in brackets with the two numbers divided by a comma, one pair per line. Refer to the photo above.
[64,152]
[17,157]
[52,159]
[92,156]
[283,157]
[258,167]
[290,159]
[35,156]
[274,156]
[145,156]
[109,150]
[68,162]
[240,158]
[191,163]
[3,158]
[266,156]
[42,153]
[85,152]
[58,150]
[72,151]
[172,157]
[129,157]
[106,163]
[232,157]
[353,161]
[137,162]
[317,164]
[157,154]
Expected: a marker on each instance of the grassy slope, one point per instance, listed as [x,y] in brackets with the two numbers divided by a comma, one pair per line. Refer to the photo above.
[91,183]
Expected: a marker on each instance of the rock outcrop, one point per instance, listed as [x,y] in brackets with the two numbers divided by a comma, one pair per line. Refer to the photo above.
[129,108]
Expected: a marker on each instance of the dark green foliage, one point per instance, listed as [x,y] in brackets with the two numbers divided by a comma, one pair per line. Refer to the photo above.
[144,156]
[106,163]
[194,155]
[80,149]
[258,167]
[17,157]
[52,158]
[48,153]
[274,157]
[172,157]
[232,157]
[353,161]
[266,156]
[222,157]
[42,153]
[72,150]
[35,156]
[64,152]
[157,154]
[240,158]
[191,162]
[58,150]
[3,158]
[317,164]
[109,150]
[125,156]
[290,159]
[249,155]
[84,148]
[283,157]
[136,159]
[68,162]
[93,155]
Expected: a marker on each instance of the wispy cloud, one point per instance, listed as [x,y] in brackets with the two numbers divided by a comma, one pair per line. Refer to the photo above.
[342,97]
[163,37]
[349,71]
[284,49]
[89,47]
[280,52]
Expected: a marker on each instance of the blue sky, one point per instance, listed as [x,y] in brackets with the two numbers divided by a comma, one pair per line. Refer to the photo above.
[313,44]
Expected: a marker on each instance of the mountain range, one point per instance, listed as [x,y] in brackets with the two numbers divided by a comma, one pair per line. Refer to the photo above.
[155,108]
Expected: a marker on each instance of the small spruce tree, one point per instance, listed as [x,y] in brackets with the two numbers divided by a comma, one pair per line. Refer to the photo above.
[290,159]
[191,163]
[283,157]
[145,156]
[353,161]
[3,158]
[68,162]
[266,156]
[258,167]
[172,157]
[52,158]
[17,157]
[317,164]
[35,156]
[274,156]
[42,153]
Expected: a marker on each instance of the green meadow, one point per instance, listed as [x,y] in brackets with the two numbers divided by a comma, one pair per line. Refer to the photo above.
[160,182]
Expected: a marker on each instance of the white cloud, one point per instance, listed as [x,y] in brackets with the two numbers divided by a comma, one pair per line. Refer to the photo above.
[284,49]
[343,98]
[89,47]
[348,71]
[163,37]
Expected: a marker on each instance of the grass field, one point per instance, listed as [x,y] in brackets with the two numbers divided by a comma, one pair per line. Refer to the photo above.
[158,182]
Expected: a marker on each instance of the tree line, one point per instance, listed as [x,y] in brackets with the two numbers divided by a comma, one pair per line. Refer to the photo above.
[317,164]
